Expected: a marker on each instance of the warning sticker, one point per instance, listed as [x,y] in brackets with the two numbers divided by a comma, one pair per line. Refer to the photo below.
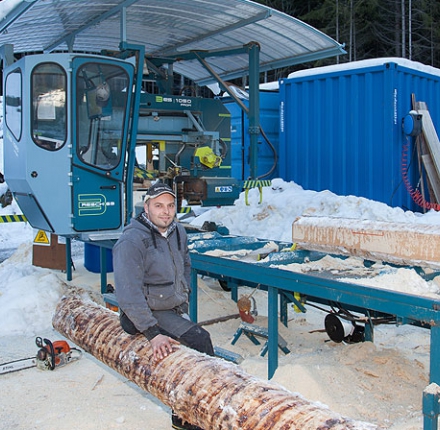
[41,238]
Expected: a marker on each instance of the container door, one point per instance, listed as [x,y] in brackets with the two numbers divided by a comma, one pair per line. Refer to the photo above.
[101,106]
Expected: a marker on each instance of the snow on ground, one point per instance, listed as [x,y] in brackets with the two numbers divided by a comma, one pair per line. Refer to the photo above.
[380,382]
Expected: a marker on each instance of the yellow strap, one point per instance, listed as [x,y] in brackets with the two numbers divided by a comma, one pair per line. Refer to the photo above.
[260,189]
[295,307]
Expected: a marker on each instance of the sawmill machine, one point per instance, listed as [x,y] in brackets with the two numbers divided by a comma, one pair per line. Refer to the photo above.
[72,123]
[187,143]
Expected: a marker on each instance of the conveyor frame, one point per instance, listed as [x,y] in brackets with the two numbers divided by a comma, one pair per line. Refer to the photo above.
[407,308]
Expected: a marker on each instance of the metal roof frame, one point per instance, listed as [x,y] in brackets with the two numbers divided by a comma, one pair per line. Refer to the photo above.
[206,41]
[167,28]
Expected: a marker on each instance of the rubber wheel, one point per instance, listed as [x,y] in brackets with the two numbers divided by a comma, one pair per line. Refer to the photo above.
[224,285]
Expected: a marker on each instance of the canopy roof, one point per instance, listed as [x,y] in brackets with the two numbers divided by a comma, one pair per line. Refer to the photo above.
[166,28]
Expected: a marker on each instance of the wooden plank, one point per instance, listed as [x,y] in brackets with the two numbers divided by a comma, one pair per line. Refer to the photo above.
[52,256]
[431,138]
[422,149]
[393,242]
[434,180]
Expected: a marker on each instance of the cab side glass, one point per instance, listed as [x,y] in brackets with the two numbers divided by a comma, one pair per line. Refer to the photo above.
[49,106]
[101,103]
[13,103]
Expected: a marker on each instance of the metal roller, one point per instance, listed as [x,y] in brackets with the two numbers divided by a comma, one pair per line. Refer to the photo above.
[205,391]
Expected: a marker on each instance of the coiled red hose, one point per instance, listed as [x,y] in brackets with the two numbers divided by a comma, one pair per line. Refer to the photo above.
[415,194]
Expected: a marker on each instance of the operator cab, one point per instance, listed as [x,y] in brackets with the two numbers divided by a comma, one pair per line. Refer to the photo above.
[67,119]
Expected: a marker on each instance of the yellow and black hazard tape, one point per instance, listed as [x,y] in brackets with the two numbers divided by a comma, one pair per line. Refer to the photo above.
[12,218]
[185,210]
[255,183]
[143,174]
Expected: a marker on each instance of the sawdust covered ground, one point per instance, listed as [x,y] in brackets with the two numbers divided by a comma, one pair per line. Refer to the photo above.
[380,383]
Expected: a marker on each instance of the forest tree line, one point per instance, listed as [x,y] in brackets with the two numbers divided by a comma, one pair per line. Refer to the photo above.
[371,28]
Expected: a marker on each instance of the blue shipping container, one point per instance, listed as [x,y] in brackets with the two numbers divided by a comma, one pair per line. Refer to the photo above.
[240,139]
[341,127]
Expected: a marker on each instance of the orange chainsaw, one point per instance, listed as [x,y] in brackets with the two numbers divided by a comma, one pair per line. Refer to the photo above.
[50,356]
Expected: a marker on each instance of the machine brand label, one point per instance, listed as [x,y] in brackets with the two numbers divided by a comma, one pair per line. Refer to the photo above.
[91,204]
[182,101]
[225,189]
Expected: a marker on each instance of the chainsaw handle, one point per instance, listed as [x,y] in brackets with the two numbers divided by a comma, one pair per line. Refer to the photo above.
[52,353]
[39,342]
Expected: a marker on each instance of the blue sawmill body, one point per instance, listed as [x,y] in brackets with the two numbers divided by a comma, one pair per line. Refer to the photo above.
[72,127]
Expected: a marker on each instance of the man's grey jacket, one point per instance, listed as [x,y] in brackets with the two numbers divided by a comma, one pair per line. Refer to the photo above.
[152,273]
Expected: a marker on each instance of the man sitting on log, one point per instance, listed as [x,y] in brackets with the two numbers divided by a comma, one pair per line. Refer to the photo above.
[152,280]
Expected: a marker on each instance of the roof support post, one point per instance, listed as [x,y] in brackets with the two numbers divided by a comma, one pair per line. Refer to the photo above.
[126,49]
[254,105]
[124,24]
[223,85]
[7,54]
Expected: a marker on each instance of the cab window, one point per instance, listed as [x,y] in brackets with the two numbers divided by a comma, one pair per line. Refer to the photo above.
[49,106]
[13,103]
[101,103]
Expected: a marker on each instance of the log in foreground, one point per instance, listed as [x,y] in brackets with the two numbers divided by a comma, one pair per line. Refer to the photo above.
[205,391]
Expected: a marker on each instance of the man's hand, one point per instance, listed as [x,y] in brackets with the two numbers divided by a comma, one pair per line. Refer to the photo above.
[162,346]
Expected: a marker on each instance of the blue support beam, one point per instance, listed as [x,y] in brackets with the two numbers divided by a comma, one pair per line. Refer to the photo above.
[254,106]
[103,268]
[272,330]
[193,298]
[431,409]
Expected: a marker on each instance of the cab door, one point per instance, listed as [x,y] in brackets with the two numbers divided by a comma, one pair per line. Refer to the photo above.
[101,97]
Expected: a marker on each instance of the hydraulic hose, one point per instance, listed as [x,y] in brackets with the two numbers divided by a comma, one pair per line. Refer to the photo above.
[275,154]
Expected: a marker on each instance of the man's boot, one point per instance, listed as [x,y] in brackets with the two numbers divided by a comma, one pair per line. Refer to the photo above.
[178,424]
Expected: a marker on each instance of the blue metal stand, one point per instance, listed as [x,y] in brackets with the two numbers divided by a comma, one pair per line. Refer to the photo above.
[431,410]
[252,331]
[103,271]
[68,259]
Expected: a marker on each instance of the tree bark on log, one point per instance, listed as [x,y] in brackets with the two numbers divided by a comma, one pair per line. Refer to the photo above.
[205,391]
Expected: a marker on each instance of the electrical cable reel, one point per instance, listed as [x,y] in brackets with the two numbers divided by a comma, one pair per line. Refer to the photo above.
[340,329]
[412,123]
